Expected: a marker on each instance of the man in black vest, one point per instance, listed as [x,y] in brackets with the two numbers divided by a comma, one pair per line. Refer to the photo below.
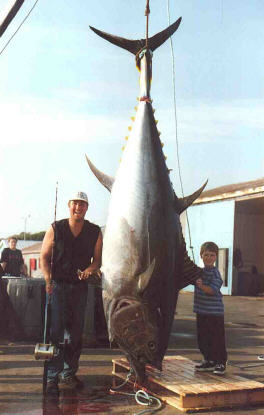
[71,252]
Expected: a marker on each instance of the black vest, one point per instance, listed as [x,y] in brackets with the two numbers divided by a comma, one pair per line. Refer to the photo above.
[72,253]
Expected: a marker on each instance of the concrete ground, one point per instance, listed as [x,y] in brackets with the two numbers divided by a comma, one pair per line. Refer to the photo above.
[21,375]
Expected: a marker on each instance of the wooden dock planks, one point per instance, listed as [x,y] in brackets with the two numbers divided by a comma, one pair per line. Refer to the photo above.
[180,386]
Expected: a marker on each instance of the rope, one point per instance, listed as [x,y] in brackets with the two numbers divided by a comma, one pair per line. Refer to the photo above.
[147,12]
[141,396]
[113,390]
[176,126]
[23,21]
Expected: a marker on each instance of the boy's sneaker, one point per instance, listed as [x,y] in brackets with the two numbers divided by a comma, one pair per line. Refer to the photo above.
[72,382]
[219,369]
[205,366]
[261,357]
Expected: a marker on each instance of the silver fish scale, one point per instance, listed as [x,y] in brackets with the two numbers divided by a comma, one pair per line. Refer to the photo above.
[135,195]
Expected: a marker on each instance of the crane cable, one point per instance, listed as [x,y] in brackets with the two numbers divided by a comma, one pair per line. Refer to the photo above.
[176,126]
[23,21]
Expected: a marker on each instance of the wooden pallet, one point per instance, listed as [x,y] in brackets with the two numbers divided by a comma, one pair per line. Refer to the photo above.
[180,386]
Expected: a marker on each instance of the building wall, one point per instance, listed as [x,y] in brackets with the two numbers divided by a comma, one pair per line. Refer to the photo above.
[31,260]
[248,237]
[211,222]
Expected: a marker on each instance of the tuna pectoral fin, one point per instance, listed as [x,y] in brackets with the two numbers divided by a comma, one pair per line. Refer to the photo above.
[107,181]
[190,271]
[183,203]
[134,46]
[144,278]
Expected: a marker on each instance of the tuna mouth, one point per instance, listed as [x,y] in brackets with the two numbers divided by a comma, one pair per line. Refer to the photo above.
[125,303]
[133,330]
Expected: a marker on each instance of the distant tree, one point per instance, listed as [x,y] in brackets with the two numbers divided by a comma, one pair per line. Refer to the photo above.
[38,236]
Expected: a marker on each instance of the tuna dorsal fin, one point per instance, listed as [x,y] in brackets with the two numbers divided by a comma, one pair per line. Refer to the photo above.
[183,203]
[134,46]
[107,181]
[144,278]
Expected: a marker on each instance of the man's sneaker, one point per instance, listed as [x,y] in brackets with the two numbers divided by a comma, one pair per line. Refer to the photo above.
[72,382]
[52,388]
[220,369]
[206,366]
[261,357]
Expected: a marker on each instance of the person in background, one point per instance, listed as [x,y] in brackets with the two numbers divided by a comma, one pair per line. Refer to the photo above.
[74,248]
[209,309]
[12,260]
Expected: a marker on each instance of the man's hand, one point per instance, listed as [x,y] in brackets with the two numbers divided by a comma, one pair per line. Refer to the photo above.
[88,272]
[49,287]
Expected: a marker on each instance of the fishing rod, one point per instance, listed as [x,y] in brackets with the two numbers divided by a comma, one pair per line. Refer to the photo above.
[176,130]
[46,351]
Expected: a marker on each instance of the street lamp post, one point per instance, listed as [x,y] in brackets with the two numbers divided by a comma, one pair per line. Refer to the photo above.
[25,225]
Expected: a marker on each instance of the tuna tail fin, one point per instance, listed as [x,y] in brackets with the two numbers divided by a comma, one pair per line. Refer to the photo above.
[107,181]
[134,46]
[183,203]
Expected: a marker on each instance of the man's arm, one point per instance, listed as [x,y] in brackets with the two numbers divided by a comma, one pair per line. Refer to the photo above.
[4,259]
[45,257]
[94,268]
[3,264]
[23,269]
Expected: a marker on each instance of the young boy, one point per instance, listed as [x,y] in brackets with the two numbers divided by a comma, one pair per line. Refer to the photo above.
[209,309]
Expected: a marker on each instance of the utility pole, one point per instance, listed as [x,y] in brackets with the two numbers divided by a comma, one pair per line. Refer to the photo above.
[25,225]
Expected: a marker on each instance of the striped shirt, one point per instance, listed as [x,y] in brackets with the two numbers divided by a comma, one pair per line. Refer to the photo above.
[205,303]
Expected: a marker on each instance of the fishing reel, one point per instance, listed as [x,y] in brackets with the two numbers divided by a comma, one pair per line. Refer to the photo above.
[44,351]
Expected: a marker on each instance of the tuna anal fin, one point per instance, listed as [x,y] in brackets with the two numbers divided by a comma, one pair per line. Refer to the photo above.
[144,278]
[107,181]
[185,202]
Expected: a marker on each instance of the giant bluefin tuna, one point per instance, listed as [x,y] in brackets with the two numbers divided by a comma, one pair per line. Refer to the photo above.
[145,262]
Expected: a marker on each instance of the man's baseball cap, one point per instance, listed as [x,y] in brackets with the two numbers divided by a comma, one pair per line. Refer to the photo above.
[80,196]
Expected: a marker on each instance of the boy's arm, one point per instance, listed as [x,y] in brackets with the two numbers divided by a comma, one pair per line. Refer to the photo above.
[205,288]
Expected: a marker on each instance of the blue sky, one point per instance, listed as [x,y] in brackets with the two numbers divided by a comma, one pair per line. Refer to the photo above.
[65,92]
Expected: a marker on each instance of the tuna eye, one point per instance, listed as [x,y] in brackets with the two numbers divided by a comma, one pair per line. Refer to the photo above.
[152,346]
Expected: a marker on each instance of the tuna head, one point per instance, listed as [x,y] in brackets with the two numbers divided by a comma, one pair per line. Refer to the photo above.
[135,330]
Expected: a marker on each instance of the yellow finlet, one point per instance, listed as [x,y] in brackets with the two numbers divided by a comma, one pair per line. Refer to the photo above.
[130,128]
[132,118]
[126,137]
